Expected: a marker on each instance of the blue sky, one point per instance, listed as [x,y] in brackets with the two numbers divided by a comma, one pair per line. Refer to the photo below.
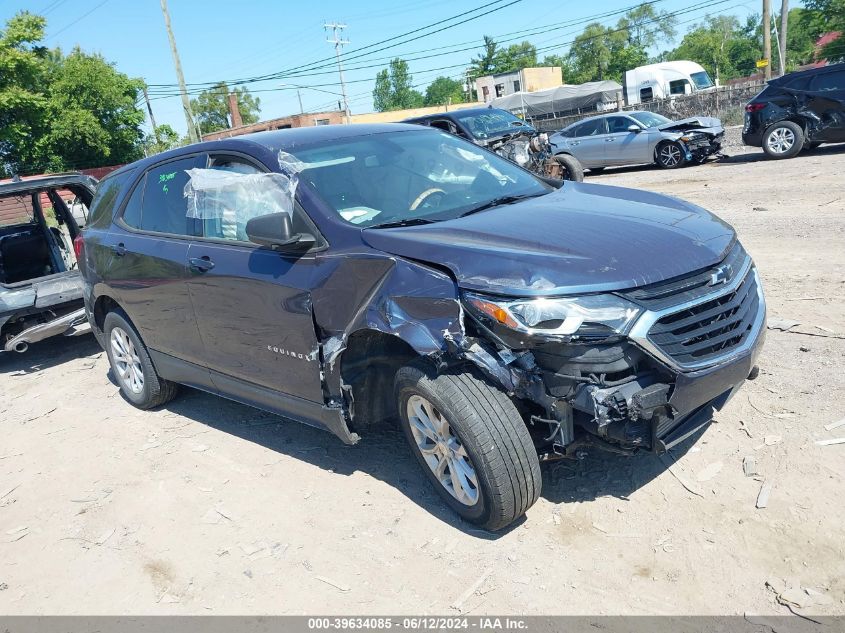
[248,38]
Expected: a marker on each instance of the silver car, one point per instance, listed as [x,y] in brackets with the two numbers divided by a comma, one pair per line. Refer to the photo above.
[632,138]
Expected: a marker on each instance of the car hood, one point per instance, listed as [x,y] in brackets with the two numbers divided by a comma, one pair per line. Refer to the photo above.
[698,123]
[581,238]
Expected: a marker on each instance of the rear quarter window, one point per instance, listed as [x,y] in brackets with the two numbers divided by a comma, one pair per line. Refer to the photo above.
[105,199]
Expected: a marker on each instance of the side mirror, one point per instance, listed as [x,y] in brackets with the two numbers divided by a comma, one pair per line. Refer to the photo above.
[275,231]
[635,128]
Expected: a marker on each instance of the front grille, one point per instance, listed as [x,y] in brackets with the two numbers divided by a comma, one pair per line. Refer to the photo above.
[666,294]
[709,329]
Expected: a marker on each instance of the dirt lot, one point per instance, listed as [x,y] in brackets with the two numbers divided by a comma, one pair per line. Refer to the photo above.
[210,507]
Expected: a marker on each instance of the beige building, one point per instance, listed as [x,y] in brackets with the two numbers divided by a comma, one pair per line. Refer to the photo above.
[526,80]
[394,116]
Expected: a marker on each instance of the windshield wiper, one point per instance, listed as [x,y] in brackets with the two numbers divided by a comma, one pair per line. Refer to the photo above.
[404,222]
[497,202]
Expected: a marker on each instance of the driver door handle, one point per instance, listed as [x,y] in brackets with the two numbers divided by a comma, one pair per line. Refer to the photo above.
[119,249]
[201,264]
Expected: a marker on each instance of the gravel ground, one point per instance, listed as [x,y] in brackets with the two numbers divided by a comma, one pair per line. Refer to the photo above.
[210,507]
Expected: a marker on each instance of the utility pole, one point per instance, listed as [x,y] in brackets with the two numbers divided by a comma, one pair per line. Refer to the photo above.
[338,42]
[186,104]
[299,96]
[152,118]
[784,20]
[767,38]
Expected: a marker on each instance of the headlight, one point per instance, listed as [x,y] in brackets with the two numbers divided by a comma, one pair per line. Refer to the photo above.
[587,315]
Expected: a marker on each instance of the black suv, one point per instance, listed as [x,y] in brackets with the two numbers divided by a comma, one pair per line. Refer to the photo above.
[797,111]
[345,275]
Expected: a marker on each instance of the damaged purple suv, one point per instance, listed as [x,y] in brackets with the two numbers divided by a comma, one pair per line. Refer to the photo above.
[344,275]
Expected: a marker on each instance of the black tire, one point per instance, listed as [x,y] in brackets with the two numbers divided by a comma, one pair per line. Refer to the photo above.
[567,168]
[784,139]
[497,445]
[155,391]
[670,155]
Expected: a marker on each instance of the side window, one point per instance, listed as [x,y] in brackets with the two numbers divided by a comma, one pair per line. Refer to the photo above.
[829,82]
[164,207]
[678,87]
[232,192]
[132,210]
[225,214]
[102,206]
[801,83]
[590,128]
[617,124]
[441,124]
[646,94]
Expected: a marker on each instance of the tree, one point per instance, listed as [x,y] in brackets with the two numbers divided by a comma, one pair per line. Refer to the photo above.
[516,57]
[394,89]
[725,48]
[23,105]
[62,112]
[443,91]
[93,117]
[211,108]
[590,54]
[164,138]
[646,27]
[831,14]
[485,64]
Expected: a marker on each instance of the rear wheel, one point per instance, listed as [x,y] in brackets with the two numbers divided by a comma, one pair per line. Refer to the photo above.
[131,364]
[471,443]
[565,167]
[670,155]
[784,139]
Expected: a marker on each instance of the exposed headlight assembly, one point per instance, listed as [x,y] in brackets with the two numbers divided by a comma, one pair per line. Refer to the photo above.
[586,315]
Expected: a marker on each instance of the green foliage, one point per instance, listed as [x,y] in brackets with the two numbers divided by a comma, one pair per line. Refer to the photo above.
[394,89]
[494,60]
[164,138]
[211,108]
[603,52]
[62,112]
[725,48]
[830,16]
[443,91]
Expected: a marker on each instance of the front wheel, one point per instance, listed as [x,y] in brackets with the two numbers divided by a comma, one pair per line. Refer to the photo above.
[565,167]
[471,443]
[783,140]
[670,155]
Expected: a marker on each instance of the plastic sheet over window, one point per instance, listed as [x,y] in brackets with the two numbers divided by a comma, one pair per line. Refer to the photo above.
[216,194]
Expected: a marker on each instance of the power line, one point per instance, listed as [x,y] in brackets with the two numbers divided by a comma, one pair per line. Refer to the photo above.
[81,17]
[278,75]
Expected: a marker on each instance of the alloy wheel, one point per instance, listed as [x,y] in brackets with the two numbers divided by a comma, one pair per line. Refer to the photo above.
[442,450]
[126,360]
[781,140]
[670,155]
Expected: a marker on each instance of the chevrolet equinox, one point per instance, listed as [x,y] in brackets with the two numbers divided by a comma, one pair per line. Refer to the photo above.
[345,275]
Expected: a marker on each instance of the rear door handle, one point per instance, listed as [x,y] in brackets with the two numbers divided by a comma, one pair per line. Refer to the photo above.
[609,140]
[119,249]
[201,264]
[575,143]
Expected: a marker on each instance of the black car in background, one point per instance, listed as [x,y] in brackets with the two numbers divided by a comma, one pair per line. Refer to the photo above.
[798,111]
[508,136]
[344,275]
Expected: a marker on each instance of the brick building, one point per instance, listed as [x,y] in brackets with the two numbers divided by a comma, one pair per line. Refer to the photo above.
[331,117]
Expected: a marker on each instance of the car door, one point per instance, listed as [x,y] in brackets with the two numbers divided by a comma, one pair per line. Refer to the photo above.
[252,304]
[145,268]
[827,99]
[587,142]
[623,147]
